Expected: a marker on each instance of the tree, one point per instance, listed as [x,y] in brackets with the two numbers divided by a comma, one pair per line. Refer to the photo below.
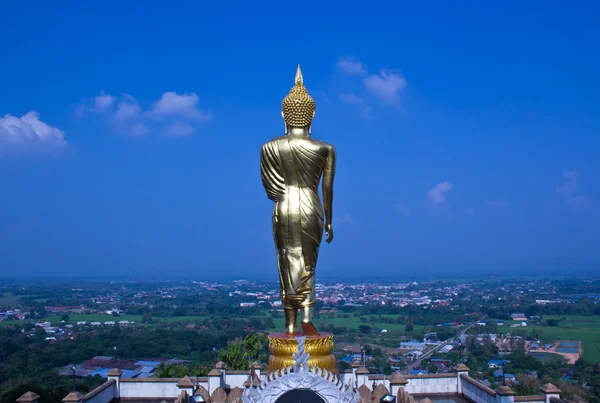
[64,317]
[181,370]
[241,352]
[147,317]
[342,365]
[432,369]
[526,385]
[491,327]
[409,327]
[594,391]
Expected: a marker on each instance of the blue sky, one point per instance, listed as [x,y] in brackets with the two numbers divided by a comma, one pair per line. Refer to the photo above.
[467,135]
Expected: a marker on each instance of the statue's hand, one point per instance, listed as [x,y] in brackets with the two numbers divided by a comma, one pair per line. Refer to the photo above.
[329,233]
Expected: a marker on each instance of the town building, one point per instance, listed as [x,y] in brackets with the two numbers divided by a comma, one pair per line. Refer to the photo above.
[412,345]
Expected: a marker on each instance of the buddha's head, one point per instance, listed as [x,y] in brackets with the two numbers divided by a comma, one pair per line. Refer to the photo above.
[298,108]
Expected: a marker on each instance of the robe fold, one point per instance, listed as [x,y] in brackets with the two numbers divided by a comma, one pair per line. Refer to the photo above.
[291,169]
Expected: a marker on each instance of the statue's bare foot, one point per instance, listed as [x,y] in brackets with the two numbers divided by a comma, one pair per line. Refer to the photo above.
[309,329]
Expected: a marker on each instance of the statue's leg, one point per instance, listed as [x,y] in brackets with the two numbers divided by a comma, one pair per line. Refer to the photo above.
[307,326]
[291,315]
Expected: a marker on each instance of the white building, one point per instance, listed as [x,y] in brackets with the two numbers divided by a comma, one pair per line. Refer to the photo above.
[222,385]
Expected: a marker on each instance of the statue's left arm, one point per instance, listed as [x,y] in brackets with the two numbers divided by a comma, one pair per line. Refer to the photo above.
[328,176]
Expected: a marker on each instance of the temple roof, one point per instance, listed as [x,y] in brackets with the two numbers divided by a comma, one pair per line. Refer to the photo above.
[185,382]
[398,379]
[549,388]
[28,397]
[73,397]
[461,367]
[505,391]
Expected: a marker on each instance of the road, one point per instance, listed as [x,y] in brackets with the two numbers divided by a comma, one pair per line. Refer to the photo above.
[417,363]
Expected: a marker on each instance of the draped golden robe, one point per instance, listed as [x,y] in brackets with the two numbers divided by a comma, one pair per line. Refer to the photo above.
[291,169]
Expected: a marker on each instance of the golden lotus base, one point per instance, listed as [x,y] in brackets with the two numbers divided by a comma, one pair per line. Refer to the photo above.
[320,348]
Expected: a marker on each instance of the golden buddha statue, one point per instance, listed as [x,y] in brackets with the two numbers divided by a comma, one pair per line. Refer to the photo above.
[291,168]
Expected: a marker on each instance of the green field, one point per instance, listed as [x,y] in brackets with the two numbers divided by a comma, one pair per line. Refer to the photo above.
[353,322]
[582,328]
[98,317]
[9,299]
[548,357]
[350,322]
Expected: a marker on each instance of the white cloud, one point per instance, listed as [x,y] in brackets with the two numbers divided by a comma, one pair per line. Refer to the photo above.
[138,129]
[385,86]
[28,134]
[351,66]
[405,211]
[352,99]
[568,190]
[173,114]
[437,194]
[128,108]
[179,129]
[103,102]
[175,105]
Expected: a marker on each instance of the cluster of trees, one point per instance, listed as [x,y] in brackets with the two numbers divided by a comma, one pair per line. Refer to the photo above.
[239,354]
[49,385]
[378,362]
[29,362]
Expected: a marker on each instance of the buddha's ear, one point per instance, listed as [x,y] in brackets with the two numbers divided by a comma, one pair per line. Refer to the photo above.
[285,124]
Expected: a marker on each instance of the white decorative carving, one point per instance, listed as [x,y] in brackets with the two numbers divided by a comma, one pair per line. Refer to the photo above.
[324,383]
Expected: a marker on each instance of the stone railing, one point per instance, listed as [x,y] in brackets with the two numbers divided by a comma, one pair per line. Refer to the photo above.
[103,393]
[432,384]
[536,398]
[149,387]
[477,392]
[221,385]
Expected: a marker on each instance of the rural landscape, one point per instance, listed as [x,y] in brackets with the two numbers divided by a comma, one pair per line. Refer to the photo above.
[509,330]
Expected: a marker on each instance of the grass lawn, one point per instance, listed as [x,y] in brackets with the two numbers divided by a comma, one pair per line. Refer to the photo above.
[9,299]
[548,357]
[99,317]
[353,322]
[172,319]
[582,328]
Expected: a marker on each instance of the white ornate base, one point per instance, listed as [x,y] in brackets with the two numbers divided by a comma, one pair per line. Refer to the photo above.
[319,381]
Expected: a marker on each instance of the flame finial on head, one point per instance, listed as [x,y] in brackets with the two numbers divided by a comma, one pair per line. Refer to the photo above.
[298,107]
[299,80]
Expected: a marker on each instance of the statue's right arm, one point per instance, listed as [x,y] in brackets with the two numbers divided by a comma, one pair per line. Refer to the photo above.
[328,176]
[270,173]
